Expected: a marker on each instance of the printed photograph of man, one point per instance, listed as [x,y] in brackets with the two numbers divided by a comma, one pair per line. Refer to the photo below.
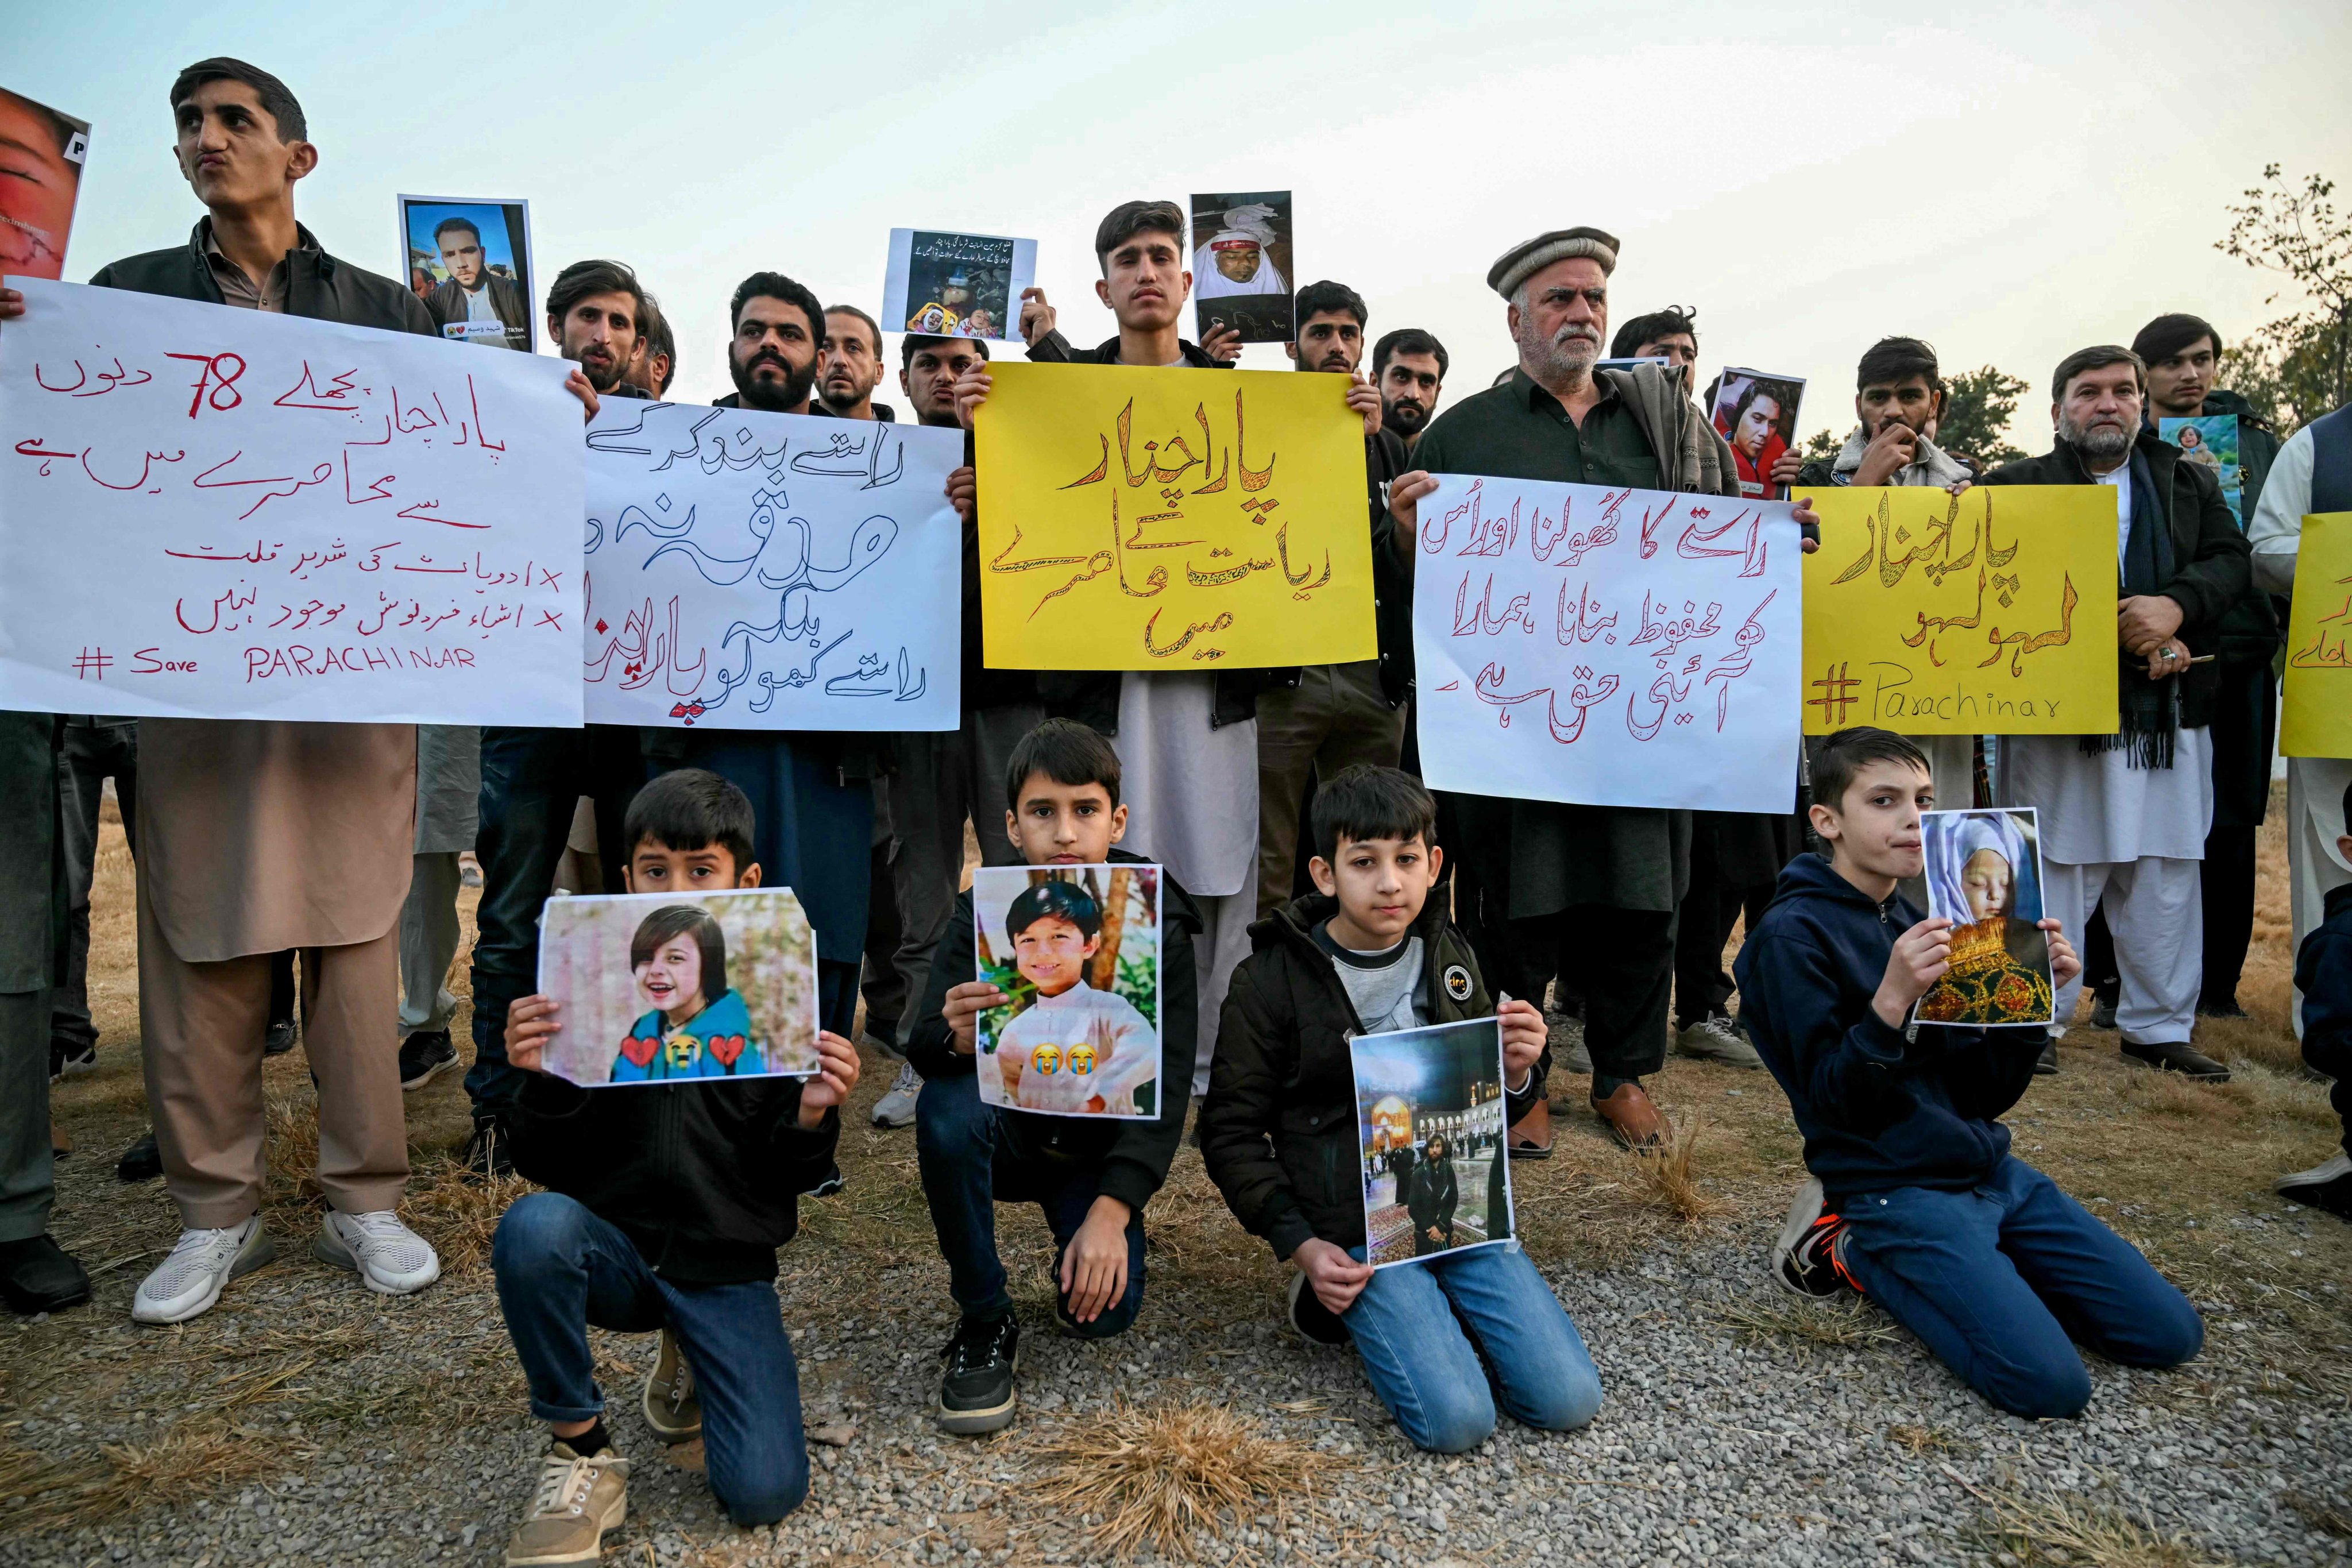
[469,262]
[41,154]
[1430,1125]
[1757,415]
[1241,263]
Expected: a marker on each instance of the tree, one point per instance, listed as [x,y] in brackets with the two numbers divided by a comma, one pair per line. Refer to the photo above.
[1822,446]
[2299,366]
[1978,408]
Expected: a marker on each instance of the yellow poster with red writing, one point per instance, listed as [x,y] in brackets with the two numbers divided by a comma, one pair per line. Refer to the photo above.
[1171,519]
[2315,720]
[1988,613]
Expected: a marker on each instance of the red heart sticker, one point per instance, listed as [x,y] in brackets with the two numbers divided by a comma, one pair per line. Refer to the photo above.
[726,1047]
[639,1048]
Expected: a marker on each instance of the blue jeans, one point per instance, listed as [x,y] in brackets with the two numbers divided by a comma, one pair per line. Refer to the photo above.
[1998,1279]
[1446,1342]
[532,779]
[559,1269]
[966,1170]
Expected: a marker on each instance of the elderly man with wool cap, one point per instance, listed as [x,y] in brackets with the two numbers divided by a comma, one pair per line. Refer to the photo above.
[1587,893]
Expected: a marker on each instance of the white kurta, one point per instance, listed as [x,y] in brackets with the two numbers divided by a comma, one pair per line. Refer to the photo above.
[2100,810]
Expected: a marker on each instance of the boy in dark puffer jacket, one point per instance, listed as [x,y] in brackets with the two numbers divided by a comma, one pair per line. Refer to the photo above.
[1368,954]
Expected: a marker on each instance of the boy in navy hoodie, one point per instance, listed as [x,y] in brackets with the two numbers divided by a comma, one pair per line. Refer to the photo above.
[2323,973]
[1968,1247]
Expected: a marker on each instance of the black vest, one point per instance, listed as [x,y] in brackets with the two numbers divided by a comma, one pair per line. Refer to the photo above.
[2331,461]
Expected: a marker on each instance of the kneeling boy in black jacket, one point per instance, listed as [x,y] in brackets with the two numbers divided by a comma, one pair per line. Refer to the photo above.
[2323,973]
[666,1206]
[1445,1338]
[1091,1175]
[1970,1248]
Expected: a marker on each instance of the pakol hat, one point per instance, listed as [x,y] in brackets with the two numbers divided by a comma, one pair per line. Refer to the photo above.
[1523,261]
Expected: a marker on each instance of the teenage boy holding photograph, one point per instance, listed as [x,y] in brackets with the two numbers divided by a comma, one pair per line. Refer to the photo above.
[1446,1340]
[1092,1176]
[1972,1249]
[666,1206]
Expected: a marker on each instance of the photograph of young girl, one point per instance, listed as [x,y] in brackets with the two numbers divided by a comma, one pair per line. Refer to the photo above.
[1429,1125]
[1076,949]
[1984,875]
[661,986]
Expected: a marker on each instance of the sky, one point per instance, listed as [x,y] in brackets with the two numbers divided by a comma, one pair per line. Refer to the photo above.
[2010,182]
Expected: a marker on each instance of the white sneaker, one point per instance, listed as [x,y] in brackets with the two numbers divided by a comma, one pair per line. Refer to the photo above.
[1714,1040]
[186,1284]
[389,1257]
[896,1108]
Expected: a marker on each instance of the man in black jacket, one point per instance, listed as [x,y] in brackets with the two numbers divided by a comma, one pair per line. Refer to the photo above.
[666,1205]
[472,293]
[2124,817]
[1091,1175]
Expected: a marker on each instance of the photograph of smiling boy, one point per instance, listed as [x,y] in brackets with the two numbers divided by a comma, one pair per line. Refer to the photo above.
[1430,1123]
[1076,948]
[656,987]
[1984,875]
[469,261]
[1757,412]
[1241,264]
[41,157]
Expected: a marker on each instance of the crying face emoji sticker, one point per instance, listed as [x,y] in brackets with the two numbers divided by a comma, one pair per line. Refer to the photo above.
[1082,1061]
[1048,1060]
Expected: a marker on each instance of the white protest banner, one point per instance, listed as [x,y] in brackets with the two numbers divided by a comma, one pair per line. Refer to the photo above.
[218,513]
[1607,647]
[751,571]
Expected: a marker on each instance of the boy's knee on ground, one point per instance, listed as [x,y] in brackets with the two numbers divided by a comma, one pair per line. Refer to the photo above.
[1562,1404]
[765,1502]
[1453,1419]
[536,1229]
[1112,1321]
[2052,1392]
[2166,1333]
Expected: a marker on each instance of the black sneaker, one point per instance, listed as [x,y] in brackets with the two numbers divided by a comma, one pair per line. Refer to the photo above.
[72,1058]
[1317,1323]
[143,1161]
[2227,1008]
[976,1390]
[486,1152]
[1806,1258]
[37,1275]
[2103,1012]
[2180,1057]
[424,1057]
[279,1039]
[2327,1185]
[2046,1064]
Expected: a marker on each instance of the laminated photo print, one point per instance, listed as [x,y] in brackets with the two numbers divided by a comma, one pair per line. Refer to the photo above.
[1984,875]
[1429,1138]
[2210,440]
[1076,949]
[1241,264]
[662,987]
[1756,411]
[42,151]
[947,285]
[469,260]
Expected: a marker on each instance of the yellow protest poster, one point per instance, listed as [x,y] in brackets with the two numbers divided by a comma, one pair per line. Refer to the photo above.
[1171,519]
[2317,719]
[1990,613]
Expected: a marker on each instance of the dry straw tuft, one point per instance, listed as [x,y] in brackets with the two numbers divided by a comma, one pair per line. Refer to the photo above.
[1158,1476]
[1849,1325]
[2049,1525]
[193,1460]
[1670,1173]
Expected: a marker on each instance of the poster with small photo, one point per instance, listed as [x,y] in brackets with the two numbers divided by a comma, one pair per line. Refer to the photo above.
[1241,264]
[42,150]
[1984,875]
[468,259]
[947,285]
[662,987]
[1756,411]
[1076,950]
[2211,441]
[1430,1127]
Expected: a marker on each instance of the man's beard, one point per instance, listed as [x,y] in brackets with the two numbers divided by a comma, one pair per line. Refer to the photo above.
[1332,363]
[1568,354]
[841,392]
[776,397]
[606,379]
[2105,442]
[1405,416]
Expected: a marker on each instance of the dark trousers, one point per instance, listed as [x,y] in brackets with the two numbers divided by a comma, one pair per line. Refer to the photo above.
[1620,961]
[560,1269]
[2228,878]
[1998,1280]
[532,780]
[884,988]
[967,1172]
[93,751]
[1711,908]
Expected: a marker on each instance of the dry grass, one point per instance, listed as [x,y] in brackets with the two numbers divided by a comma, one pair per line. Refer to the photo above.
[457,1211]
[195,1458]
[1669,1173]
[1160,1476]
[2050,1526]
[1843,1323]
[1917,1439]
[2330,1514]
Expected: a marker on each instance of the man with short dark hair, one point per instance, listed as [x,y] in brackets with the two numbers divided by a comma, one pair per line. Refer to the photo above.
[1140,248]
[775,326]
[472,293]
[2124,817]
[595,310]
[1670,334]
[1314,721]
[1408,368]
[1588,893]
[849,365]
[2183,355]
[654,364]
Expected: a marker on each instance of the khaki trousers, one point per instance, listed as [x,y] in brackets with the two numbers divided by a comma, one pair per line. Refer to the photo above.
[1337,717]
[203,1026]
